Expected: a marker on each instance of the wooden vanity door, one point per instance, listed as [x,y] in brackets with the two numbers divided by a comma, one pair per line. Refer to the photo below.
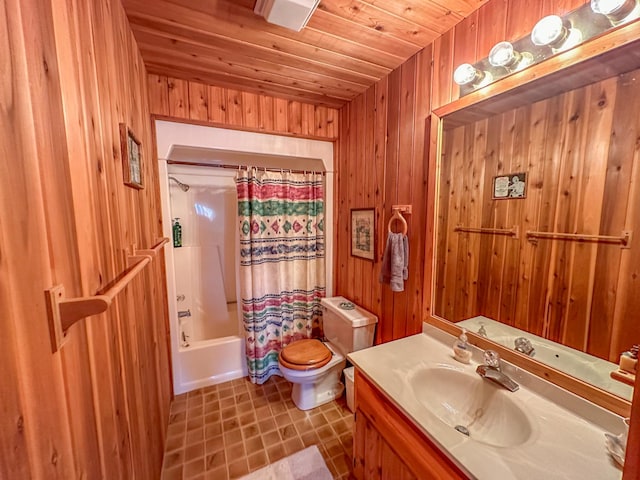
[388,446]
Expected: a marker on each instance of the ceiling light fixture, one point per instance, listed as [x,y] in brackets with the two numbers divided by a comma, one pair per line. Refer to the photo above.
[617,11]
[503,55]
[553,32]
[291,14]
[467,74]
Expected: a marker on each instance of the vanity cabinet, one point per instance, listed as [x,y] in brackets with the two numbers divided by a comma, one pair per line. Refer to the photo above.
[388,446]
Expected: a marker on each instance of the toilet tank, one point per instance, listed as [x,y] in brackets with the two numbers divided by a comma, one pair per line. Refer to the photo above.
[347,330]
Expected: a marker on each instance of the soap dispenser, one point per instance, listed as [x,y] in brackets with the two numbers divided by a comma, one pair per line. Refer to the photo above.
[461,348]
[629,360]
[177,233]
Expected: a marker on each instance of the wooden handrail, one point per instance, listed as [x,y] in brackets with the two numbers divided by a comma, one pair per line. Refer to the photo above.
[623,239]
[153,251]
[512,232]
[64,312]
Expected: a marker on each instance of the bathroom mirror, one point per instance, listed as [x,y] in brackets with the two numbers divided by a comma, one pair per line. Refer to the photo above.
[555,260]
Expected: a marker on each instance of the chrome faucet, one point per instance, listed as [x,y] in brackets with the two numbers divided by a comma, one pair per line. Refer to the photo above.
[491,371]
[184,313]
[523,345]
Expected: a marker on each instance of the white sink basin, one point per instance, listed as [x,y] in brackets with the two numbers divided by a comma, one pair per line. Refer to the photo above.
[472,405]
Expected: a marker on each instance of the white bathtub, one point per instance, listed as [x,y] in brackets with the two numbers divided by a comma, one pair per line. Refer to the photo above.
[209,362]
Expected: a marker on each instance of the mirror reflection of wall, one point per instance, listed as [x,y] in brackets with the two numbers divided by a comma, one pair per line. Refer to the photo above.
[581,155]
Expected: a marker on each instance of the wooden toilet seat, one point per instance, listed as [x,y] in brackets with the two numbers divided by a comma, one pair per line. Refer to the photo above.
[305,354]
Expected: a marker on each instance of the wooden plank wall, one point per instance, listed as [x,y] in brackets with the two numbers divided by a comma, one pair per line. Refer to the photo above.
[382,162]
[382,133]
[98,408]
[176,99]
[580,155]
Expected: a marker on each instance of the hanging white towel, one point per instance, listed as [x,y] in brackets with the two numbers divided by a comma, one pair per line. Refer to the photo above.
[395,261]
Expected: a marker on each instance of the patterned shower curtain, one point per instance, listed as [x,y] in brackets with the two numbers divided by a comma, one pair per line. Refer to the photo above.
[282,269]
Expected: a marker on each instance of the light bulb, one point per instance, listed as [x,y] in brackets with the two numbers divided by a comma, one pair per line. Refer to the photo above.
[503,55]
[617,11]
[548,30]
[467,74]
[551,31]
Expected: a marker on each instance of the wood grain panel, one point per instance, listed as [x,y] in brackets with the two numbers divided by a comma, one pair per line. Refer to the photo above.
[98,408]
[37,439]
[232,108]
[578,182]
[382,133]
[198,102]
[616,210]
[389,328]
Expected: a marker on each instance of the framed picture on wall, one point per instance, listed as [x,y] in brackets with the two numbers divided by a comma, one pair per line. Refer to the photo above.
[363,233]
[511,185]
[131,150]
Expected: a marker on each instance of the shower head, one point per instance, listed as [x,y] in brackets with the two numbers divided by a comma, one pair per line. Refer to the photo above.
[183,186]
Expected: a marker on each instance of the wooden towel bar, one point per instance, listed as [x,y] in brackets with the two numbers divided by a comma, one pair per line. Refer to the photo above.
[623,239]
[512,232]
[65,312]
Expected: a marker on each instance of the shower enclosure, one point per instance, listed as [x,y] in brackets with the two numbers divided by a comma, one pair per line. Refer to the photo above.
[204,271]
[207,339]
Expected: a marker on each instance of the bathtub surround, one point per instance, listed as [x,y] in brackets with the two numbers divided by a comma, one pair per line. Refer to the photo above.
[201,276]
[282,259]
[180,142]
[229,430]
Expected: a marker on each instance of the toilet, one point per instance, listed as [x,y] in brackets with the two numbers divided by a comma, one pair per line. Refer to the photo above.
[313,366]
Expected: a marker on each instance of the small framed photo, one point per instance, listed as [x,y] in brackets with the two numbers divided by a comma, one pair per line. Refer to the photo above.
[131,150]
[511,185]
[363,233]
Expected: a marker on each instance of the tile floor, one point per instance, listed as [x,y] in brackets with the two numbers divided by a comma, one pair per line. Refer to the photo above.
[226,431]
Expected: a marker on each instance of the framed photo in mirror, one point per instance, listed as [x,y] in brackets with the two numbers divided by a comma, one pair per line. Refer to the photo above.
[131,151]
[511,185]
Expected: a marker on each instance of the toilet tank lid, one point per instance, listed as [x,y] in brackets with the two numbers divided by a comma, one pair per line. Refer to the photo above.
[358,316]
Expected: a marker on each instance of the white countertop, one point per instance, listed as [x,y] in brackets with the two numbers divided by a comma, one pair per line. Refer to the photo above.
[568,440]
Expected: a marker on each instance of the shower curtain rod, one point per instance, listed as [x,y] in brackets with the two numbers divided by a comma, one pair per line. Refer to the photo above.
[240,167]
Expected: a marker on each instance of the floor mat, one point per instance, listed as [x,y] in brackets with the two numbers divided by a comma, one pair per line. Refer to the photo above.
[306,464]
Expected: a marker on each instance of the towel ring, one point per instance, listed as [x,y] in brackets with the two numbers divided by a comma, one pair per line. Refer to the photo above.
[398,216]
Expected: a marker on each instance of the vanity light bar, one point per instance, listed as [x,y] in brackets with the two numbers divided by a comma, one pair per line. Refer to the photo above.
[550,35]
[617,11]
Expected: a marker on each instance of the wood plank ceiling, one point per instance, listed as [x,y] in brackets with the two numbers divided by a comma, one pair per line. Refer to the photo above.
[346,47]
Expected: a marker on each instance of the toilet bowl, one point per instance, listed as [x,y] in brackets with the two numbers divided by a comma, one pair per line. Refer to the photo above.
[314,367]
[313,383]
